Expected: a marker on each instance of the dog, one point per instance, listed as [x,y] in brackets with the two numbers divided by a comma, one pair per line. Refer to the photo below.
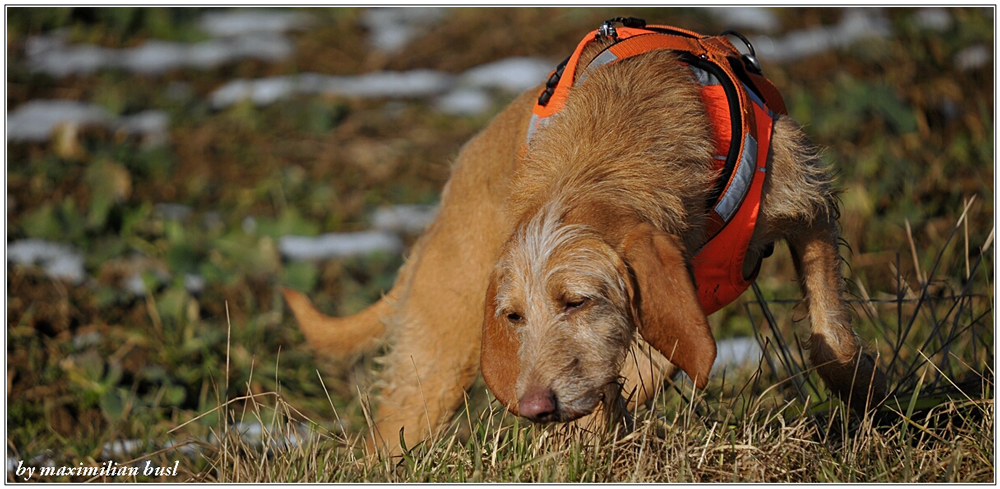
[584,235]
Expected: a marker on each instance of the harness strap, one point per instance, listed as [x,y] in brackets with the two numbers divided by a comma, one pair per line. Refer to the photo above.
[741,105]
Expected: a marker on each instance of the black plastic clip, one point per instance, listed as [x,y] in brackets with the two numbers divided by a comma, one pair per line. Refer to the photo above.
[749,60]
[550,85]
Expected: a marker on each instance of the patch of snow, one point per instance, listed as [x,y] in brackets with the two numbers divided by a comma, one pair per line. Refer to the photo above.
[43,459]
[51,55]
[254,433]
[59,260]
[135,285]
[261,92]
[392,28]
[856,24]
[34,120]
[137,269]
[120,448]
[736,353]
[152,125]
[229,23]
[152,57]
[407,218]
[464,101]
[339,245]
[189,449]
[933,18]
[70,60]
[972,57]
[263,47]
[511,74]
[84,340]
[414,83]
[758,19]
[194,284]
[250,431]
[390,84]
[249,225]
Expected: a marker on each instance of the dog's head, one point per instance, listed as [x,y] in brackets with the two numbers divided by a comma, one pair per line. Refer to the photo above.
[563,305]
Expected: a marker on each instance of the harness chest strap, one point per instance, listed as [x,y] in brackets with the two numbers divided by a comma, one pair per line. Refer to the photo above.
[741,123]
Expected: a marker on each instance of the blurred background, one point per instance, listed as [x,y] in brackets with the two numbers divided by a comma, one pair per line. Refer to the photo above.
[169,168]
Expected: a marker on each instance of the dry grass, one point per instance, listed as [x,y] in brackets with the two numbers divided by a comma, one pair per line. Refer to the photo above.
[952,442]
[772,423]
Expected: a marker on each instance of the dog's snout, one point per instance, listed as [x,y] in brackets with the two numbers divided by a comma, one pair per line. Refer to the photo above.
[539,405]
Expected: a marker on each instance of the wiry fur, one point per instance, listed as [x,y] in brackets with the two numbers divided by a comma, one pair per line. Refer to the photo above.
[567,288]
[585,238]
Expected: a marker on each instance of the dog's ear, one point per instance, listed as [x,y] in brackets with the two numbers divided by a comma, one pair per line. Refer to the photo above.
[665,303]
[498,357]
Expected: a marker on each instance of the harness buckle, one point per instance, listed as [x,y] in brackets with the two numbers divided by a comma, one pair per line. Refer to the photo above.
[607,29]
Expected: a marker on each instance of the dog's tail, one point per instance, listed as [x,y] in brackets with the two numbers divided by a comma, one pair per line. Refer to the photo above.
[338,336]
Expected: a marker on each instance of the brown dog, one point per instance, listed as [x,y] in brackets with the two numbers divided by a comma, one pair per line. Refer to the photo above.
[546,259]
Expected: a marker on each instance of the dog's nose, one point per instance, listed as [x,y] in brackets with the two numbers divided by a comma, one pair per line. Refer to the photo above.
[539,405]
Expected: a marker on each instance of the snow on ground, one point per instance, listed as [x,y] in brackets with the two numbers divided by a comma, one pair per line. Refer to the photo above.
[35,120]
[59,260]
[406,218]
[758,19]
[469,97]
[53,56]
[390,29]
[234,23]
[736,353]
[856,24]
[238,34]
[339,245]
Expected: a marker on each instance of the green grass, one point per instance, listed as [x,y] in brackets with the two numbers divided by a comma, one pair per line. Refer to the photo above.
[910,135]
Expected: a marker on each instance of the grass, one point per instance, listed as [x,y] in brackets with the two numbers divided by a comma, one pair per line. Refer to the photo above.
[772,424]
[92,366]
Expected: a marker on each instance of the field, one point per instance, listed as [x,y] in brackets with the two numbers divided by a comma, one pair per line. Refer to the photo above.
[147,239]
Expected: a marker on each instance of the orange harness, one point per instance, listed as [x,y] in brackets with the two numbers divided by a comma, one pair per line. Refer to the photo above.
[738,100]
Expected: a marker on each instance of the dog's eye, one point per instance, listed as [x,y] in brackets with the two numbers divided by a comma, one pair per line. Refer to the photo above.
[514,317]
[573,304]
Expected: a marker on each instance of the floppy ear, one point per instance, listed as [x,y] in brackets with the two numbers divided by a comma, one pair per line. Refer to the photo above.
[666,307]
[498,358]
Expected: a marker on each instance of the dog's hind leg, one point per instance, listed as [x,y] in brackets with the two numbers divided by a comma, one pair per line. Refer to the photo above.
[799,205]
[834,348]
[435,338]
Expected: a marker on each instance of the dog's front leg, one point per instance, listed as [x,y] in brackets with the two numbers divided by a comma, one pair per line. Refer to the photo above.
[435,354]
[834,348]
[428,380]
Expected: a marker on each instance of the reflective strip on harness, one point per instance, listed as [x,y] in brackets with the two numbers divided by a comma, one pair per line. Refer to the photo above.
[704,78]
[733,195]
[601,60]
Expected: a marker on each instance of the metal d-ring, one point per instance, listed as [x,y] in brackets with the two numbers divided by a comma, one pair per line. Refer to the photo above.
[749,60]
